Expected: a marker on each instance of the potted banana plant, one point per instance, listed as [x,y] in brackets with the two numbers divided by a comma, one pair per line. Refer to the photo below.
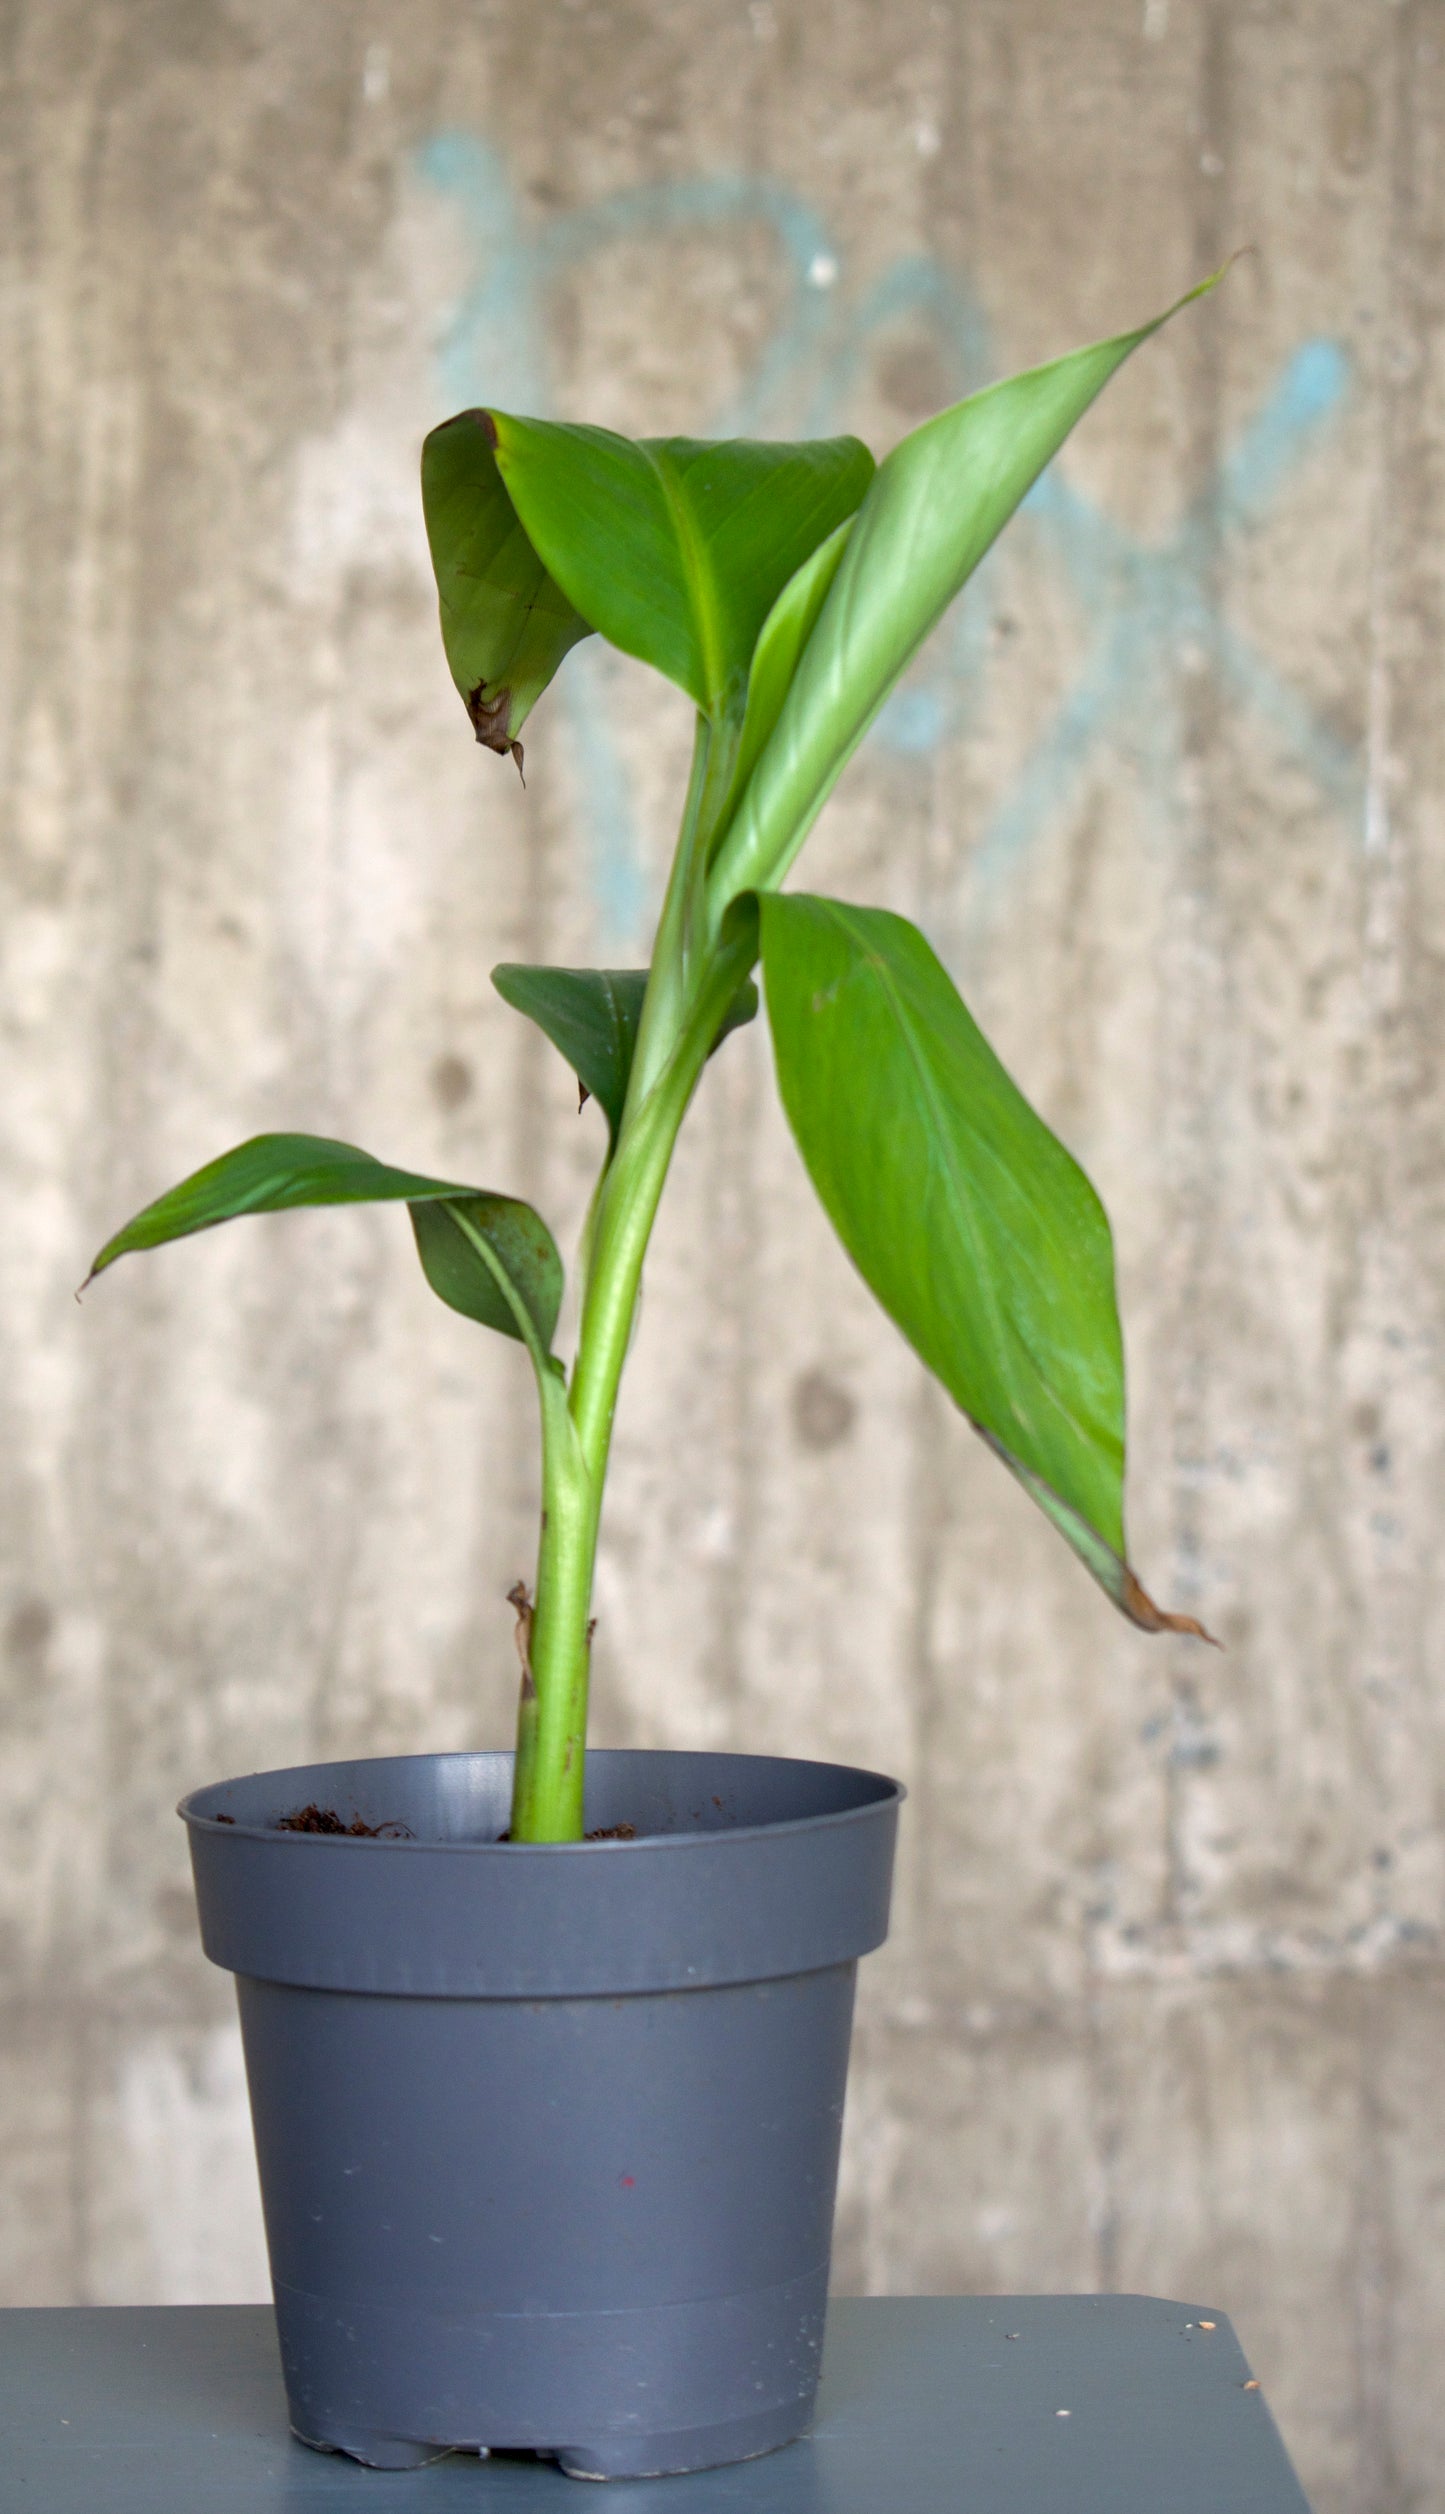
[546,2049]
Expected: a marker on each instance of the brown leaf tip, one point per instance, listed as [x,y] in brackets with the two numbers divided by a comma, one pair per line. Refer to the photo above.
[1140,1608]
[489,722]
[519,1598]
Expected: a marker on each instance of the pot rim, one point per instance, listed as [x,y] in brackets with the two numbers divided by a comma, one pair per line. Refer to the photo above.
[887,1792]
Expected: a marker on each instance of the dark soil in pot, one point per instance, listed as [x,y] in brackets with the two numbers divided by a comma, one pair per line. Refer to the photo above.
[548,2134]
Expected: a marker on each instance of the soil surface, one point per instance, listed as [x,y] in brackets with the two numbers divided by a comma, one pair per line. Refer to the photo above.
[314,1819]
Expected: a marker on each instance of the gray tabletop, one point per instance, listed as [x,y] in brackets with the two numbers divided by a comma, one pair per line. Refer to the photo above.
[983,2404]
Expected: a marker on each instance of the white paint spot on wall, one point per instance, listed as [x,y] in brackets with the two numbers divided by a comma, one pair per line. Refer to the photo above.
[717,1534]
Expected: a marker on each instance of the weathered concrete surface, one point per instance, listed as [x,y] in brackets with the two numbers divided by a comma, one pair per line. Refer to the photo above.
[1163,2008]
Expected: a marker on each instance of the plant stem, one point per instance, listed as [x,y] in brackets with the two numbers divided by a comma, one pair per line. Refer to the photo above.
[577,1430]
[677,956]
[552,1712]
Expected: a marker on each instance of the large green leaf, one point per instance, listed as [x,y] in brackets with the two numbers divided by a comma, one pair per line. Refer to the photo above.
[491,1257]
[676,548]
[592,1015]
[505,625]
[936,505]
[977,1231]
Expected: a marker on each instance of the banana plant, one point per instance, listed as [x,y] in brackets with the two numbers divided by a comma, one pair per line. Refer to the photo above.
[785,588]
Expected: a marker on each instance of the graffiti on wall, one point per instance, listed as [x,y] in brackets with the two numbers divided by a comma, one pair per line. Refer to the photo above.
[1152,607]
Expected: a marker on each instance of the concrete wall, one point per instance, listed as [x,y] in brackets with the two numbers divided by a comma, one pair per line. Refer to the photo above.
[1164,2000]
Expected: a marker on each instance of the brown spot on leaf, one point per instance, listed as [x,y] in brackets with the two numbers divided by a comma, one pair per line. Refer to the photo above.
[485,422]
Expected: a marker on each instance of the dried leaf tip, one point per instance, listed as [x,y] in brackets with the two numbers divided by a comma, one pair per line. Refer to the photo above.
[519,1597]
[489,723]
[489,717]
[485,422]
[1140,1608]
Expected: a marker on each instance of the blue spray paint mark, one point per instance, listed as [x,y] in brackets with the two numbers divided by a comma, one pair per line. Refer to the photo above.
[1158,616]
[1153,609]
[718,201]
[1309,391]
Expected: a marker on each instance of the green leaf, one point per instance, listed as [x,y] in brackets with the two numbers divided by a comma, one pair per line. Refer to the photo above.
[592,1015]
[784,634]
[494,1258]
[976,1230]
[505,625]
[935,507]
[488,1256]
[677,548]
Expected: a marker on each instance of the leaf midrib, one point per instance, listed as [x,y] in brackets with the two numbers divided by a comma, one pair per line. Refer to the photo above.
[696,570]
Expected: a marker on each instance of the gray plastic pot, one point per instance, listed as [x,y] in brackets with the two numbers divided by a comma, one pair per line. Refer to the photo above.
[548,2134]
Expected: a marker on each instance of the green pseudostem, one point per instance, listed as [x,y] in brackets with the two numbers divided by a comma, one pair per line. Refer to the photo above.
[688,997]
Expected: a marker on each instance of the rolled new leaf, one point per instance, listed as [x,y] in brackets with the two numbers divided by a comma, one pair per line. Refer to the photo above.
[505,625]
[491,1257]
[592,1018]
[976,1230]
[676,548]
[937,504]
[781,641]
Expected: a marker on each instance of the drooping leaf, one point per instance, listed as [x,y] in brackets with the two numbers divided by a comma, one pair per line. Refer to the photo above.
[742,1009]
[676,548]
[483,1254]
[505,625]
[936,505]
[976,1230]
[513,1282]
[592,1015]
[591,1018]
